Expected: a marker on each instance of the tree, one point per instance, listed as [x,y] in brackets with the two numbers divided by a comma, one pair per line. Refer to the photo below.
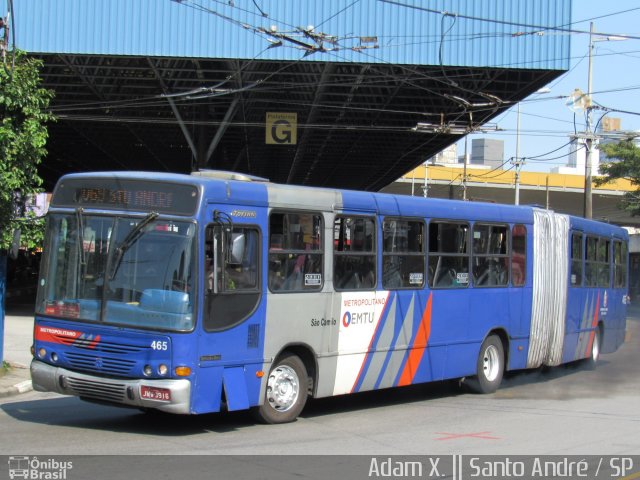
[625,164]
[23,136]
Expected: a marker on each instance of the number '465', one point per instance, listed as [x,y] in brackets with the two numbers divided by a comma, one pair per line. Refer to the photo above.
[159,345]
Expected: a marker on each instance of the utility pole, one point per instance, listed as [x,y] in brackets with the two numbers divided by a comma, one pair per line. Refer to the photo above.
[413,182]
[425,187]
[516,160]
[4,41]
[588,206]
[547,193]
[464,169]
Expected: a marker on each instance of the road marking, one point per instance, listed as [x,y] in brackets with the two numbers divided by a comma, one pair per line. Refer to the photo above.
[632,476]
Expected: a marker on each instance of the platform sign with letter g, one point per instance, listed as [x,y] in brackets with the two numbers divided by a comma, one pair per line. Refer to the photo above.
[281,128]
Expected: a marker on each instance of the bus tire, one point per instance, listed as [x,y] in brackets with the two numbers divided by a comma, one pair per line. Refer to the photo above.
[286,391]
[592,360]
[490,366]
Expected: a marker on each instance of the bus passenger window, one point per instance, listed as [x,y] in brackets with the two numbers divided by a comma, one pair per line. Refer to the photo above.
[518,255]
[576,259]
[295,252]
[354,262]
[598,262]
[604,263]
[403,254]
[448,255]
[620,264]
[591,267]
[490,255]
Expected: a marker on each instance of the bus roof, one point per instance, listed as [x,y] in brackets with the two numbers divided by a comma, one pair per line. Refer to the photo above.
[246,189]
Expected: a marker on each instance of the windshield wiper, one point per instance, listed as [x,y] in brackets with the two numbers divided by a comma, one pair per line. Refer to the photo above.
[131,238]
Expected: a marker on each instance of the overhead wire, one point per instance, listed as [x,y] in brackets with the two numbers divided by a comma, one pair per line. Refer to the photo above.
[194,94]
[493,170]
[598,17]
[434,11]
[260,10]
[113,104]
[442,38]
[532,157]
[496,34]
[443,35]
[536,28]
[581,147]
[207,10]
[498,175]
[192,3]
[337,13]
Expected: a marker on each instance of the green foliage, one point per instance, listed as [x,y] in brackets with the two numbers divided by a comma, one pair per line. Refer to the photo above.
[23,137]
[31,231]
[625,164]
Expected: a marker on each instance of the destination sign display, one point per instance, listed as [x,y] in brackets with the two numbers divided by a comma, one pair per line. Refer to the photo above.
[130,195]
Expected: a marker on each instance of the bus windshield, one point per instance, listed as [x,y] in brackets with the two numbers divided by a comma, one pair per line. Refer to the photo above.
[119,270]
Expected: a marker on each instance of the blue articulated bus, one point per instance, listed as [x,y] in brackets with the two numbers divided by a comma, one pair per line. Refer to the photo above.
[197,293]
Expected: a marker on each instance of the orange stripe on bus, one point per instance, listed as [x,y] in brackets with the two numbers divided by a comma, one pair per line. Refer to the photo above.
[594,324]
[417,349]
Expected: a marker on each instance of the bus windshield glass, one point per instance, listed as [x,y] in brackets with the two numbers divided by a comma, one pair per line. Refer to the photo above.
[119,270]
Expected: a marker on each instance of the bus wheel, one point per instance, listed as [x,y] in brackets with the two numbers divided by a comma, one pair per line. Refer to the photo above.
[286,392]
[595,350]
[490,366]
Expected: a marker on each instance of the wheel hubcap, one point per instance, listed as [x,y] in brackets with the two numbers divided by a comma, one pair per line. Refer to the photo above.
[491,363]
[283,388]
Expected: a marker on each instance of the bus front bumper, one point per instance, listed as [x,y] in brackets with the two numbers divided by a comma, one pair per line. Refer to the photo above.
[169,395]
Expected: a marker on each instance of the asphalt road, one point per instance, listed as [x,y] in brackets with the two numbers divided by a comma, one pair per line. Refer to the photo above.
[567,410]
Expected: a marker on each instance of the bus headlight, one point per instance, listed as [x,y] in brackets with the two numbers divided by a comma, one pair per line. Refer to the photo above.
[147,370]
[42,352]
[163,369]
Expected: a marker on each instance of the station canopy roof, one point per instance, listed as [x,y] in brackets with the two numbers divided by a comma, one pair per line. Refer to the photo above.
[316,93]
[354,125]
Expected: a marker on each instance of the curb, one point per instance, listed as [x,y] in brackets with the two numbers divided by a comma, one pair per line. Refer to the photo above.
[22,387]
[14,384]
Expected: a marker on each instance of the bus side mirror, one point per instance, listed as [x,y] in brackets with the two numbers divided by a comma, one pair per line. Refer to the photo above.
[235,252]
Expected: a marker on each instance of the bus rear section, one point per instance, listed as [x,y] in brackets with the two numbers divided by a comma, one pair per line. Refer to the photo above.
[580,289]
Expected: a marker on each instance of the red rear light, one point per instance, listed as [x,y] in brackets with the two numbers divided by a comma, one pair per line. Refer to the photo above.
[62,309]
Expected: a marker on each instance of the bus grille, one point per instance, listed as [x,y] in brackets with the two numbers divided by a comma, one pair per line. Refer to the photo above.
[92,345]
[118,348]
[107,392]
[92,363]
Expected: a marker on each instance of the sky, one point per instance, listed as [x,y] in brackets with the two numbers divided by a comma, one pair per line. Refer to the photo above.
[545,119]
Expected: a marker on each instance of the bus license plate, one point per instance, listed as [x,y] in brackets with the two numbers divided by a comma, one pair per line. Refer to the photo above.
[153,393]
